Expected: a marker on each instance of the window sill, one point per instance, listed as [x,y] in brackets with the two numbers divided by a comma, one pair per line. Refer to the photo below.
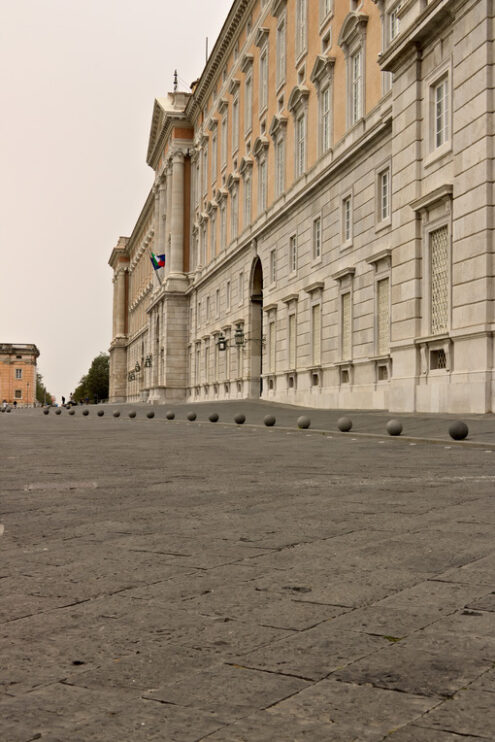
[346,246]
[438,154]
[384,224]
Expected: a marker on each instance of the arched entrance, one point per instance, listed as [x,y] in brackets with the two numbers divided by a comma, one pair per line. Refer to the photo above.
[255,331]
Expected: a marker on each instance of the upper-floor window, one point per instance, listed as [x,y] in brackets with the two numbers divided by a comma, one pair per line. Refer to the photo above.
[213,233]
[325,119]
[300,143]
[204,183]
[325,8]
[356,70]
[301,27]
[293,254]
[280,166]
[347,219]
[235,124]
[223,226]
[234,214]
[281,50]
[263,86]
[273,266]
[440,112]
[214,150]
[394,22]
[261,185]
[227,295]
[384,194]
[248,104]
[18,373]
[247,186]
[224,140]
[317,239]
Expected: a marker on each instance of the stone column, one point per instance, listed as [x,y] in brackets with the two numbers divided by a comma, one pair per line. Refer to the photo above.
[168,218]
[120,308]
[177,216]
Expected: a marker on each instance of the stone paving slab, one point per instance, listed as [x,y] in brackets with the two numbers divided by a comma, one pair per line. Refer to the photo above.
[190,581]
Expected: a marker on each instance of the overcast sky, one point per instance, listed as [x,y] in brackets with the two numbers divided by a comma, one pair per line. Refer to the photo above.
[77,85]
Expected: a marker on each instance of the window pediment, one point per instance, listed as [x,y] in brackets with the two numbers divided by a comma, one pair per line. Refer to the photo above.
[234,85]
[247,62]
[212,124]
[223,105]
[203,218]
[211,207]
[260,146]
[232,181]
[261,37]
[246,164]
[353,28]
[278,125]
[323,68]
[222,194]
[278,7]
[298,97]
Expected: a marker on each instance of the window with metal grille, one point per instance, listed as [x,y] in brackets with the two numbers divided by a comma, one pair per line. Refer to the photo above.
[438,360]
[292,341]
[346,329]
[439,289]
[316,333]
[383,316]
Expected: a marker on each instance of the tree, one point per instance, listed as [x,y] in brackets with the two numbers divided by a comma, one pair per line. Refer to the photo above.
[94,384]
[41,393]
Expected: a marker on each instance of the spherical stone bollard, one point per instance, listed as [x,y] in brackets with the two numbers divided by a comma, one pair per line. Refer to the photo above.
[303,422]
[150,415]
[85,413]
[116,413]
[191,416]
[46,412]
[458,430]
[344,424]
[132,414]
[9,409]
[394,427]
[100,413]
[213,418]
[58,412]
[170,415]
[72,412]
[270,421]
[240,419]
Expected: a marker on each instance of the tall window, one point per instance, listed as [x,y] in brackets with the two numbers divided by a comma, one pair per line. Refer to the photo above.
[224,141]
[18,373]
[300,144]
[394,22]
[356,86]
[261,185]
[383,316]
[248,104]
[384,194]
[204,183]
[213,233]
[207,308]
[317,239]
[346,326]
[440,112]
[273,266]
[214,149]
[325,120]
[439,280]
[292,340]
[293,254]
[281,51]
[301,26]
[325,8]
[235,124]
[203,244]
[248,185]
[227,295]
[197,370]
[207,361]
[280,166]
[347,219]
[223,226]
[241,287]
[316,334]
[263,86]
[217,303]
[234,214]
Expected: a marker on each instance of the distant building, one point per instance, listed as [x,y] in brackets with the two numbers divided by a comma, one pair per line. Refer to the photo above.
[18,373]
[324,200]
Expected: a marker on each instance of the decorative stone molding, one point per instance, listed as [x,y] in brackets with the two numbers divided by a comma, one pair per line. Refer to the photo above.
[261,37]
[278,125]
[232,181]
[298,98]
[246,164]
[234,85]
[378,257]
[313,287]
[290,298]
[278,7]
[223,105]
[322,69]
[261,145]
[442,194]
[353,30]
[247,62]
[344,273]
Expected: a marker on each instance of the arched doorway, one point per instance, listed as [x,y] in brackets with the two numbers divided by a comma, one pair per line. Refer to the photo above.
[255,331]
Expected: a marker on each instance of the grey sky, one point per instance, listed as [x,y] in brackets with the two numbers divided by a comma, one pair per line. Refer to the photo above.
[77,85]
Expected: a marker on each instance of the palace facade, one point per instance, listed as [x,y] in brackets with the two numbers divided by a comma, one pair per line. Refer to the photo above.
[324,199]
[18,373]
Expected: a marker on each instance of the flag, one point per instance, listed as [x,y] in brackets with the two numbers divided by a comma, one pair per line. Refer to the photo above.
[157,261]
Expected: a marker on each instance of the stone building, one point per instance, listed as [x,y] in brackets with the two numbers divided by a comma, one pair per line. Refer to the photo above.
[323,196]
[18,373]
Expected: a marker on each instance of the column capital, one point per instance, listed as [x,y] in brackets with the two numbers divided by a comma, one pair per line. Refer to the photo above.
[178,157]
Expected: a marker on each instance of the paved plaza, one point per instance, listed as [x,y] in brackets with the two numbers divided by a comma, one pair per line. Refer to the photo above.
[183,581]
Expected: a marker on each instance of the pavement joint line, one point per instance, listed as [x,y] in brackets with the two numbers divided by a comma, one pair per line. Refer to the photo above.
[396,438]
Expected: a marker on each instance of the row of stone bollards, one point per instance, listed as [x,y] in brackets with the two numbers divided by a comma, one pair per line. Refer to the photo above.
[458,430]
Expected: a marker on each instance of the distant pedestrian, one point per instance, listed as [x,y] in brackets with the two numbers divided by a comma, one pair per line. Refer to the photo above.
[4,405]
[63,400]
[15,404]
